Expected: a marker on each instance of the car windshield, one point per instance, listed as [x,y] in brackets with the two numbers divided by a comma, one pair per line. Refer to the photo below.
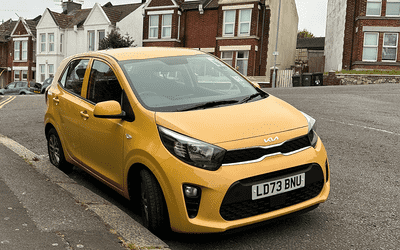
[187,82]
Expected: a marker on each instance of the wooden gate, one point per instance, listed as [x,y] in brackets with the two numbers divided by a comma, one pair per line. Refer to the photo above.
[284,78]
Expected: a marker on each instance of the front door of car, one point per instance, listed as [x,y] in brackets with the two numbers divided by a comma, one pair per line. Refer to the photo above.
[69,104]
[102,139]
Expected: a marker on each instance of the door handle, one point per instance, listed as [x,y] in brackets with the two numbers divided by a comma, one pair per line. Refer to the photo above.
[56,100]
[85,115]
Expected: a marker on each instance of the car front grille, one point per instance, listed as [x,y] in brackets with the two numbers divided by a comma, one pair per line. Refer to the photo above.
[258,153]
[238,203]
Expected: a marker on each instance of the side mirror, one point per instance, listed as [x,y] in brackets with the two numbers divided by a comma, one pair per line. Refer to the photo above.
[109,110]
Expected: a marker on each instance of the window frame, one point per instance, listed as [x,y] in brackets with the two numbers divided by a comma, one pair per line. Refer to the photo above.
[226,59]
[388,3]
[374,1]
[17,72]
[99,36]
[43,42]
[22,75]
[390,46]
[163,26]
[225,23]
[246,52]
[244,22]
[153,26]
[50,68]
[42,69]
[371,46]
[51,42]
[91,40]
[17,50]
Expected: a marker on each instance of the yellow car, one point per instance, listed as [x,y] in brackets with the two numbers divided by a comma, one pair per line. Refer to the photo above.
[198,145]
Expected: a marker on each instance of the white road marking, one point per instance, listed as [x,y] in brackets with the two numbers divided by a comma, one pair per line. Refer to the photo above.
[364,127]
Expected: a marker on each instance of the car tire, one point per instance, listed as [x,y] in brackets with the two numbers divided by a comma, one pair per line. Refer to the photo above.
[152,203]
[56,153]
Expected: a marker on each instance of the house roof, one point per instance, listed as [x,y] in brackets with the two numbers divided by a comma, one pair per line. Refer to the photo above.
[115,13]
[7,27]
[314,43]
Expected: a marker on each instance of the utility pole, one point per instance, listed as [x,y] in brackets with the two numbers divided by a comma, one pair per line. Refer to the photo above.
[276,53]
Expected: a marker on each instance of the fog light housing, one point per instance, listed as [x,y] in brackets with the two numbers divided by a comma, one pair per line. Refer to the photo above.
[192,196]
[327,170]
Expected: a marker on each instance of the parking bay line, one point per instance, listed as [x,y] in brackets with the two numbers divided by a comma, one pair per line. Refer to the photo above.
[128,228]
[364,127]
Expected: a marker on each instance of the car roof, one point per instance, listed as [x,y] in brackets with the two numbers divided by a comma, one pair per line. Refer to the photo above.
[148,52]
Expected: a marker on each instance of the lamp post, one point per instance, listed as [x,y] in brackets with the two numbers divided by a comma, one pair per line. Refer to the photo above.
[275,53]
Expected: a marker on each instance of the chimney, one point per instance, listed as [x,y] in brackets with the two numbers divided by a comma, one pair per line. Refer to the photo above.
[70,6]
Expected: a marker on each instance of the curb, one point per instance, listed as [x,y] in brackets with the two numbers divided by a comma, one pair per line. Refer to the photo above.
[134,234]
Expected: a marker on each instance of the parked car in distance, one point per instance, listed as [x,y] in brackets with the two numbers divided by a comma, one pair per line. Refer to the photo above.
[17,88]
[40,88]
[186,136]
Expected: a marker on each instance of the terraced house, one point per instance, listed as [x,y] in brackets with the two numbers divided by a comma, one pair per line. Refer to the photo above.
[78,30]
[362,34]
[18,50]
[241,32]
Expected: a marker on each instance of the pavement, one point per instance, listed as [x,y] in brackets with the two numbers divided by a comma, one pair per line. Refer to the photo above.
[42,208]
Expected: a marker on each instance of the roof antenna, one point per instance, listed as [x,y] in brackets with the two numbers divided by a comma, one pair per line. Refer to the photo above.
[16,14]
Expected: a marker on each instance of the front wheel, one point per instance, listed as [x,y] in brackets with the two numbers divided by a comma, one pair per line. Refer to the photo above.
[56,153]
[154,209]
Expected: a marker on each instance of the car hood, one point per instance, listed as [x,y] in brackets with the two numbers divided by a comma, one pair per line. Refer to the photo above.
[228,123]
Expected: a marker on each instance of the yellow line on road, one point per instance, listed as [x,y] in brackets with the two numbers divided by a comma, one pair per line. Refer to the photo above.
[6,101]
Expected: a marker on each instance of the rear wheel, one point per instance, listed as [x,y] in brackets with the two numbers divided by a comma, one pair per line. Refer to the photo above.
[56,153]
[154,210]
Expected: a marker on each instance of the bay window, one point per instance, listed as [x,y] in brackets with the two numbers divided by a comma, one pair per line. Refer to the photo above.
[229,22]
[227,56]
[166,26]
[17,50]
[370,50]
[244,22]
[153,26]
[389,49]
[51,70]
[42,72]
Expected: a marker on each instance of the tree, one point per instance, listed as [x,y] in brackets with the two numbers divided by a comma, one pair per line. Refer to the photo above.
[114,40]
[304,34]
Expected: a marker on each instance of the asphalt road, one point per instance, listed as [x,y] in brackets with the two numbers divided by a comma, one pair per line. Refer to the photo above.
[360,127]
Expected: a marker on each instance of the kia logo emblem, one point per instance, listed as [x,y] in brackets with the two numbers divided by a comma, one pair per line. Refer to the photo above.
[271,139]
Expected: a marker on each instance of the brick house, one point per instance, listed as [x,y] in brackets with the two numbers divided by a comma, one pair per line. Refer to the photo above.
[18,50]
[237,31]
[362,34]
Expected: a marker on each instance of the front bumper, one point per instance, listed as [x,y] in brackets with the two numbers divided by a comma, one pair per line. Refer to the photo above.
[226,198]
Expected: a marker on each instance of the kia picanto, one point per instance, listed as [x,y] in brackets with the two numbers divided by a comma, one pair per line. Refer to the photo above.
[186,136]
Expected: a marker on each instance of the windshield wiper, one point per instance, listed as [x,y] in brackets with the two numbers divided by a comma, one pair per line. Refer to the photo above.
[250,97]
[210,105]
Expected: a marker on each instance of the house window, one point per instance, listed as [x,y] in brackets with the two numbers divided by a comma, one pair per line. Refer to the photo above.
[242,58]
[244,22]
[389,50]
[51,70]
[393,8]
[166,26]
[229,22]
[24,50]
[17,50]
[51,42]
[102,35]
[370,50]
[374,7]
[24,75]
[42,72]
[17,75]
[42,42]
[91,40]
[61,42]
[227,56]
[153,26]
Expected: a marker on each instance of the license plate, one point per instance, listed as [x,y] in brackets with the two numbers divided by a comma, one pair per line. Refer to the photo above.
[278,186]
[36,91]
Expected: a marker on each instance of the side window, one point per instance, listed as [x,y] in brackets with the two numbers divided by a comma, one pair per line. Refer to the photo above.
[20,85]
[103,84]
[72,78]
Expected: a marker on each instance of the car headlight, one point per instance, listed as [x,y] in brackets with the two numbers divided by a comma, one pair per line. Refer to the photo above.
[312,126]
[191,151]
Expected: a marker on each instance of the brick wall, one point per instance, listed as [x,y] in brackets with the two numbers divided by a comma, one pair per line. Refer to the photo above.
[359,79]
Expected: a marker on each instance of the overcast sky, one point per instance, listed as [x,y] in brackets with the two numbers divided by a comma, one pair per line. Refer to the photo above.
[312,13]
